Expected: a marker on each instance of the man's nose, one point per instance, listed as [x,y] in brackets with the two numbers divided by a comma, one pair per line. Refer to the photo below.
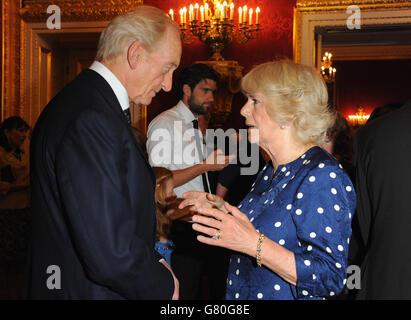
[211,97]
[167,83]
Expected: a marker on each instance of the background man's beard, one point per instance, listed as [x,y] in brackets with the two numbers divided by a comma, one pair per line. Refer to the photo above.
[197,108]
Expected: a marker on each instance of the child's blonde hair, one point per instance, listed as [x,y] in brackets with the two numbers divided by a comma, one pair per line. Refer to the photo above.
[163,221]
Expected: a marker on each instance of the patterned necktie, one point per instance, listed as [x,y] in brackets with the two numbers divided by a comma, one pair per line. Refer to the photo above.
[128,115]
[200,150]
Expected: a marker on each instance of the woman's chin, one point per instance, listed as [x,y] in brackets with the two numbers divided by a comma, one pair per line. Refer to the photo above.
[252,135]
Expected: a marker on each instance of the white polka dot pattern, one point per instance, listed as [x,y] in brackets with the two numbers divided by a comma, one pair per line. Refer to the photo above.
[306,207]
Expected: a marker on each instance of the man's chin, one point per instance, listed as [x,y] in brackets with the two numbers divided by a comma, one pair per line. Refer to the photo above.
[143,102]
[202,110]
[147,102]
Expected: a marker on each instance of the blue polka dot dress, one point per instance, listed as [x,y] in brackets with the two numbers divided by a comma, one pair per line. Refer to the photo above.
[307,207]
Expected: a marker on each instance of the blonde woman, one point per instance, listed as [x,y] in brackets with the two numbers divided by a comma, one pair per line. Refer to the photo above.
[290,234]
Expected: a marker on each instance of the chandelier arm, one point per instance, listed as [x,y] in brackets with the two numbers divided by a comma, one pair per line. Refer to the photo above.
[230,84]
[187,39]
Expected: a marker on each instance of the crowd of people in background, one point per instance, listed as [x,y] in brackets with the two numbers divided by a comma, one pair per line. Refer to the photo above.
[126,223]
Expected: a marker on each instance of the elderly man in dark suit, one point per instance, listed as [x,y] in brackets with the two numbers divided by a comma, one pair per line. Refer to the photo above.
[383,152]
[93,190]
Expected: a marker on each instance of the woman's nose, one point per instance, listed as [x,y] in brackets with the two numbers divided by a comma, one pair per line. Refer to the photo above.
[244,110]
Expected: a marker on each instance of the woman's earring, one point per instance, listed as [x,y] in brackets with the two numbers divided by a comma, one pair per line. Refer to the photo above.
[282,126]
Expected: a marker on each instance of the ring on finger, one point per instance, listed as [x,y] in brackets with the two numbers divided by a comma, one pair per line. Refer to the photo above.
[217,235]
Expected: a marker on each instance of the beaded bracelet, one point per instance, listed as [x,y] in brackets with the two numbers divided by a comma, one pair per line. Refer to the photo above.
[259,243]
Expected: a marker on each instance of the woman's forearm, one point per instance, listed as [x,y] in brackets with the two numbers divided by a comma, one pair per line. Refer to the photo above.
[278,259]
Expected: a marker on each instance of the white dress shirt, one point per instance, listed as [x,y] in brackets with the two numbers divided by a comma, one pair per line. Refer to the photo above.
[171,144]
[115,84]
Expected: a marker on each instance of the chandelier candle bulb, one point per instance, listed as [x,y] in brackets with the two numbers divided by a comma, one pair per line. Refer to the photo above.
[257,14]
[196,12]
[225,10]
[202,14]
[240,15]
[232,11]
[250,20]
[184,15]
[171,14]
[245,14]
[206,11]
[190,13]
[221,11]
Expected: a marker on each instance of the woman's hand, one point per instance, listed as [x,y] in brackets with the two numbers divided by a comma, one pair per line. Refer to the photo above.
[235,230]
[200,200]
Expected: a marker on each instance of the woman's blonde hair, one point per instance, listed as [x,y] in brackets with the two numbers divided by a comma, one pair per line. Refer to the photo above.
[295,94]
[163,221]
[144,23]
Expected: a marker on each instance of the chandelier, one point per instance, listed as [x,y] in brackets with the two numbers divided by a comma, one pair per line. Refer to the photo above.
[214,24]
[327,71]
[359,118]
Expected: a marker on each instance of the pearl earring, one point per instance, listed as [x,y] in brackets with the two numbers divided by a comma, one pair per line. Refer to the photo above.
[282,126]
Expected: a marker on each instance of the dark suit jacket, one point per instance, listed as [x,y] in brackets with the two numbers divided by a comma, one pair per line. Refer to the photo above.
[383,167]
[92,201]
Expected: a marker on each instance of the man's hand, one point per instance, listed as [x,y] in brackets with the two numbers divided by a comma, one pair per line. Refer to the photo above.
[199,199]
[217,160]
[176,294]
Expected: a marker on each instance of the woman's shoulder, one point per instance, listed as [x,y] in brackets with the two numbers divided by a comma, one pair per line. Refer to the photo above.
[320,165]
[3,153]
[322,184]
[318,158]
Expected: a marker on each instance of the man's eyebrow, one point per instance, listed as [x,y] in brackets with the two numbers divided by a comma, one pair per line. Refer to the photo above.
[208,89]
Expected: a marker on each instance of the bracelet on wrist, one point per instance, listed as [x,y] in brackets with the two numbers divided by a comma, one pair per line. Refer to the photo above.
[259,244]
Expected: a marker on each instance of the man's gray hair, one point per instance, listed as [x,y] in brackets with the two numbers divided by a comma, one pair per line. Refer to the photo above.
[146,24]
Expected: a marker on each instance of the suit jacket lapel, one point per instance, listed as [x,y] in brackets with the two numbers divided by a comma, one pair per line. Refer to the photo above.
[107,92]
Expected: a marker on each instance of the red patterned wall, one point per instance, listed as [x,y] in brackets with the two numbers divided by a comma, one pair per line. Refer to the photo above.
[371,84]
[274,41]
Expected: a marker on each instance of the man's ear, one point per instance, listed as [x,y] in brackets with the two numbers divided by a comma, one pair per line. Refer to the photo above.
[134,53]
[187,90]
